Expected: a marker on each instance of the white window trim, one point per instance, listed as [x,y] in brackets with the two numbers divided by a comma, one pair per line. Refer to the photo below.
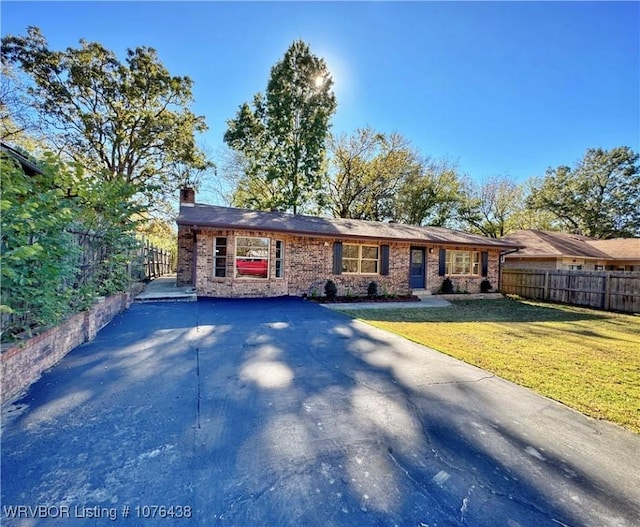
[474,263]
[238,276]
[216,256]
[360,259]
[281,259]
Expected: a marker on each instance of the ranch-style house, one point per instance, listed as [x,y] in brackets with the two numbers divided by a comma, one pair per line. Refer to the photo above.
[229,252]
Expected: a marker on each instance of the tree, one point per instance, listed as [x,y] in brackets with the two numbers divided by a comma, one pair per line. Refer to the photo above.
[599,197]
[367,169]
[430,195]
[18,123]
[493,208]
[281,136]
[128,121]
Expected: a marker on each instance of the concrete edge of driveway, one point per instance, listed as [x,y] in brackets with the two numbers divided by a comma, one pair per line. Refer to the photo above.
[430,302]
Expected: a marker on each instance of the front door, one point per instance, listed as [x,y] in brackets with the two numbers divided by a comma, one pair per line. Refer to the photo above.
[416,268]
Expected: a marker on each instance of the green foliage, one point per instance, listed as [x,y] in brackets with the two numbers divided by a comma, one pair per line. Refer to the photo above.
[366,171]
[281,136]
[38,257]
[485,286]
[430,195]
[447,286]
[372,290]
[374,176]
[66,238]
[124,121]
[494,208]
[599,197]
[330,290]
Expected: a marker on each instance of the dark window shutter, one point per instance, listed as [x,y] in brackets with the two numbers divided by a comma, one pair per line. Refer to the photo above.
[337,258]
[485,263]
[442,264]
[384,260]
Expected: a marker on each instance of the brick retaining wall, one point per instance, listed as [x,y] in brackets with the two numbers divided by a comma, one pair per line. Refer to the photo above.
[24,362]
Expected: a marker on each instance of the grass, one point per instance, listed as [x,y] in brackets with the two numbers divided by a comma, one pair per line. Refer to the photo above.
[586,359]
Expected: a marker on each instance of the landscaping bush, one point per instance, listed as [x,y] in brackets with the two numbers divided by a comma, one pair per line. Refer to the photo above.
[447,287]
[330,290]
[372,290]
[485,286]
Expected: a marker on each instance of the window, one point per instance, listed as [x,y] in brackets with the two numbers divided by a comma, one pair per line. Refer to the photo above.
[360,259]
[220,257]
[252,257]
[279,259]
[463,263]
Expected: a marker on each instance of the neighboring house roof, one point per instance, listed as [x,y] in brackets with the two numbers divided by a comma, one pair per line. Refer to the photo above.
[29,167]
[199,215]
[619,248]
[544,244]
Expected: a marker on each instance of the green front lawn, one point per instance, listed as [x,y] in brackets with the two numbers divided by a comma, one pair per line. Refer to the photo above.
[586,359]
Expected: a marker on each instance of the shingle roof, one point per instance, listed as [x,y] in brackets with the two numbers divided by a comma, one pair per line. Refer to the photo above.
[555,244]
[619,248]
[200,215]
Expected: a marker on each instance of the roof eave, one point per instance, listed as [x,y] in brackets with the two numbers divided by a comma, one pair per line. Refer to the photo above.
[315,234]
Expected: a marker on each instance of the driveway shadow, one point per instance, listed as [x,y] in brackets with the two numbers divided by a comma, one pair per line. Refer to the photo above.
[280,412]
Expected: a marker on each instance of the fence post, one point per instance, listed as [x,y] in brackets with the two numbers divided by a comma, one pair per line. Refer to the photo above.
[545,293]
[149,266]
[607,291]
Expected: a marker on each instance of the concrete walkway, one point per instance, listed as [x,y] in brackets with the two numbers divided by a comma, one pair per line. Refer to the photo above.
[424,302]
[281,413]
[165,289]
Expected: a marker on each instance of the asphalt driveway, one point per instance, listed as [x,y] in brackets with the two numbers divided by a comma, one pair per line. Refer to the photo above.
[281,412]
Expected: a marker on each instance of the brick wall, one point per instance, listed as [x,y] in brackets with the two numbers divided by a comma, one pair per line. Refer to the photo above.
[308,265]
[464,283]
[24,362]
[184,272]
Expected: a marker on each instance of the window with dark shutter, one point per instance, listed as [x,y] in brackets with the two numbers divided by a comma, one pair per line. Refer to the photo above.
[337,258]
[384,260]
[442,263]
[485,263]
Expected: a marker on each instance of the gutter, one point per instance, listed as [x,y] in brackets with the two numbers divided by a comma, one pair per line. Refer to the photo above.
[500,262]
[29,167]
[338,235]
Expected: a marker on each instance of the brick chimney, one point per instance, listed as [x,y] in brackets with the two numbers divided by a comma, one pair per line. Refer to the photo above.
[187,197]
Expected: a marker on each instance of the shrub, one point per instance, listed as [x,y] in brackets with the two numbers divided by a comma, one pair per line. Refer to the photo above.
[330,290]
[447,286]
[485,286]
[372,290]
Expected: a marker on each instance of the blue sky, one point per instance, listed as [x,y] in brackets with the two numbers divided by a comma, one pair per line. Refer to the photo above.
[503,88]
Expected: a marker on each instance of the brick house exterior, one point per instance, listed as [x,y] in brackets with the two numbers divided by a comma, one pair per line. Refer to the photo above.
[227,252]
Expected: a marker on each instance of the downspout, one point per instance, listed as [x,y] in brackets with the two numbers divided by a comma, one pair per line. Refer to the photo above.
[502,255]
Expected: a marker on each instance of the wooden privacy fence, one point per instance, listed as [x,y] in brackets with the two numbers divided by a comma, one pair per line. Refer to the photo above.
[608,290]
[147,261]
[155,262]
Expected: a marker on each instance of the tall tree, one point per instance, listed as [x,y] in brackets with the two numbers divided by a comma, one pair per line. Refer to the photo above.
[19,125]
[282,135]
[493,208]
[599,197]
[366,171]
[127,121]
[429,195]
